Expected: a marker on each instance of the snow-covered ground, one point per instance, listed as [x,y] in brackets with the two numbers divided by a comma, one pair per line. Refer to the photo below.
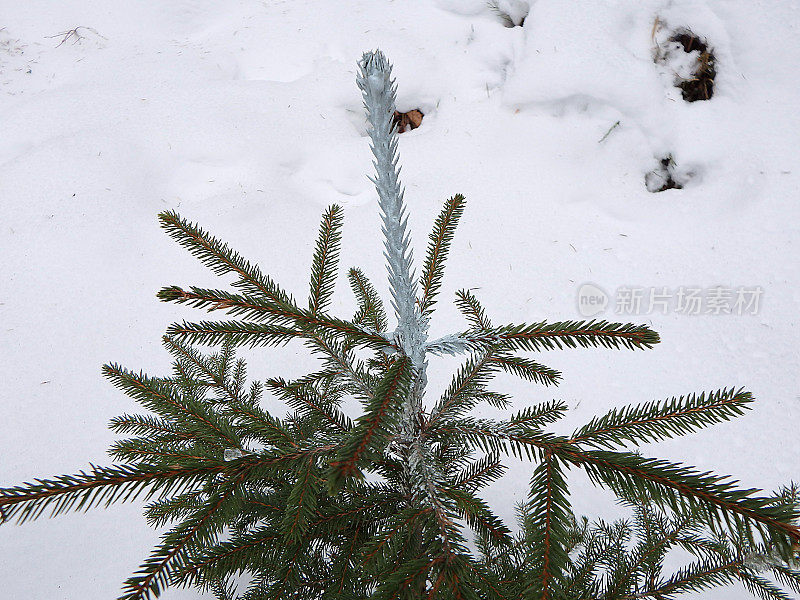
[244,116]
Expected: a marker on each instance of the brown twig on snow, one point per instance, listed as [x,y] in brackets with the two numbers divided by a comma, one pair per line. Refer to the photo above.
[74,34]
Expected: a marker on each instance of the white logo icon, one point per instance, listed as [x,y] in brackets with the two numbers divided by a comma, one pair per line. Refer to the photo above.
[591,300]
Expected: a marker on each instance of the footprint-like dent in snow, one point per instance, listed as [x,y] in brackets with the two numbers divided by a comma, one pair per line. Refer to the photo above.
[328,177]
[280,71]
[688,59]
[511,13]
[14,150]
[222,67]
[581,104]
[670,175]
[204,177]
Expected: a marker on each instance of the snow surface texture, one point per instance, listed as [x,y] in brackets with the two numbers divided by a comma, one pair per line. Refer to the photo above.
[244,116]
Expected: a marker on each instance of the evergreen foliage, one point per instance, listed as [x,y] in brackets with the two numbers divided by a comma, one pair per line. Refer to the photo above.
[625,560]
[318,504]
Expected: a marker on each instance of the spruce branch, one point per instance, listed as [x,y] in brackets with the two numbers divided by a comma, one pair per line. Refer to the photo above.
[196,366]
[402,580]
[488,582]
[221,259]
[271,312]
[339,359]
[695,577]
[326,260]
[158,396]
[222,590]
[396,524]
[480,473]
[364,503]
[680,487]
[760,586]
[495,399]
[438,249]
[656,421]
[371,312]
[453,344]
[103,485]
[378,89]
[788,577]
[258,424]
[550,510]
[656,537]
[153,427]
[344,566]
[478,515]
[492,436]
[527,369]
[253,307]
[594,546]
[457,574]
[217,371]
[571,334]
[460,396]
[230,557]
[167,559]
[240,333]
[372,429]
[134,450]
[164,510]
[472,309]
[307,399]
[301,505]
